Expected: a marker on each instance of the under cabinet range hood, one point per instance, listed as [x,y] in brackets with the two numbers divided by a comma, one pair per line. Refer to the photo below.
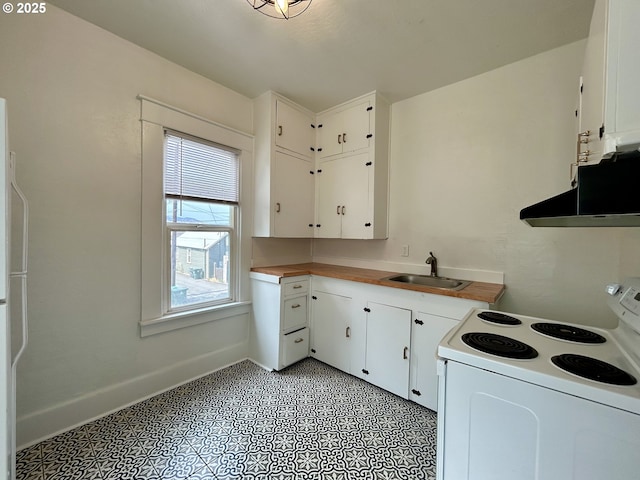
[606,195]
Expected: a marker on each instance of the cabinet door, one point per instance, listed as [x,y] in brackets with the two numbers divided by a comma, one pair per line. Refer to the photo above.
[354,195]
[328,200]
[345,131]
[623,72]
[293,186]
[426,333]
[593,84]
[387,355]
[293,129]
[330,130]
[356,127]
[330,330]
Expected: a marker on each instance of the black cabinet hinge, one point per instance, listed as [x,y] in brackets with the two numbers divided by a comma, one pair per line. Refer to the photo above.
[313,350]
[367,224]
[312,172]
[368,164]
[416,392]
[312,149]
[369,135]
[320,126]
[313,126]
[314,297]
[311,224]
[601,131]
[369,109]
[319,170]
[366,372]
[419,322]
[318,225]
[320,149]
[366,309]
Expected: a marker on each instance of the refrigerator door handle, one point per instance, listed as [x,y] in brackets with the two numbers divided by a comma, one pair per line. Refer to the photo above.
[22,273]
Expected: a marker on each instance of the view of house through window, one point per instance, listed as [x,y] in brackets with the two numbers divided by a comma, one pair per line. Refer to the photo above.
[201,196]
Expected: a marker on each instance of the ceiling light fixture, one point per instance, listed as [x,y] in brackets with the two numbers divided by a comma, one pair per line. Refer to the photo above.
[280,8]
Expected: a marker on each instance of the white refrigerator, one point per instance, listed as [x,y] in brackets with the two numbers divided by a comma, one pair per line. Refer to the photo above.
[13,298]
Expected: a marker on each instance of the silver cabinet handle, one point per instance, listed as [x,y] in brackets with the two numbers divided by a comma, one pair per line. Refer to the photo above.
[347,332]
[297,305]
[339,139]
[297,286]
[405,353]
[278,207]
[279,130]
[298,340]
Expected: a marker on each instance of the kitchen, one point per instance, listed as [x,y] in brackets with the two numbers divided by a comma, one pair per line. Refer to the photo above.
[490,145]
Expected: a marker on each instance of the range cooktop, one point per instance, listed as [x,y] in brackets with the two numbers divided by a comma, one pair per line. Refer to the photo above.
[588,362]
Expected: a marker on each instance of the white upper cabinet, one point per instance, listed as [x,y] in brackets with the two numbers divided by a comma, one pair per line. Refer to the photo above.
[344,208]
[345,129]
[284,168]
[350,152]
[292,193]
[610,113]
[294,129]
[352,170]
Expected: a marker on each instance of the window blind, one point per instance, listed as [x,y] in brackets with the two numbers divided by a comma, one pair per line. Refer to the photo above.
[198,170]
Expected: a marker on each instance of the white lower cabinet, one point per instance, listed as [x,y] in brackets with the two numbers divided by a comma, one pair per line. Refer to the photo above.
[388,336]
[331,329]
[426,332]
[279,333]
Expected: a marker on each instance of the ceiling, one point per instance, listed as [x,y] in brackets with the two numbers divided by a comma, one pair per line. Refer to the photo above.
[340,49]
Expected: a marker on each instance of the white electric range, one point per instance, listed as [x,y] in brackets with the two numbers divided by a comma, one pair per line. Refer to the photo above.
[528,398]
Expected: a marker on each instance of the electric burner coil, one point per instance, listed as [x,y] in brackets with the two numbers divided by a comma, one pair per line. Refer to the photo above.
[499,345]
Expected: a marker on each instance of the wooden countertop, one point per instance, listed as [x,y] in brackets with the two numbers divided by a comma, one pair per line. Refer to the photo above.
[481,291]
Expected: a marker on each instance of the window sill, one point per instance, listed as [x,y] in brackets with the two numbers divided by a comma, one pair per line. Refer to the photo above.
[174,321]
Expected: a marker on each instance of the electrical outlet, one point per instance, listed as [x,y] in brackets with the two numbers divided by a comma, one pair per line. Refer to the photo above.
[405,251]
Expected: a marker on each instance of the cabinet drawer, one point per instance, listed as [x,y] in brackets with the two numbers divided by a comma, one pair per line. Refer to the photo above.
[295,313]
[295,288]
[295,346]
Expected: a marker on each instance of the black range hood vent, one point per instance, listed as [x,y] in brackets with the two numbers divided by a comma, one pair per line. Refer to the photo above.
[606,195]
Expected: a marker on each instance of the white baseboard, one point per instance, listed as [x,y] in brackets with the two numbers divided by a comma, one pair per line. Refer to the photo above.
[60,418]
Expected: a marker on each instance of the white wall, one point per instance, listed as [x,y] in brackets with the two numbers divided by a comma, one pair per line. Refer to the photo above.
[465,159]
[74,123]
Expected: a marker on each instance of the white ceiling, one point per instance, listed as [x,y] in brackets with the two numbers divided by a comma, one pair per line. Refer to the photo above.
[340,49]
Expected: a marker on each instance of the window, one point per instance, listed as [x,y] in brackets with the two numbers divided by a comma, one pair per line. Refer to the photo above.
[196,176]
[201,200]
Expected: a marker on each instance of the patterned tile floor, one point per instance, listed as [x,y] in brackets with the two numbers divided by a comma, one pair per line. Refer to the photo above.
[309,421]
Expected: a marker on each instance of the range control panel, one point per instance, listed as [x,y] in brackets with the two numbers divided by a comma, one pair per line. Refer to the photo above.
[625,301]
[631,300]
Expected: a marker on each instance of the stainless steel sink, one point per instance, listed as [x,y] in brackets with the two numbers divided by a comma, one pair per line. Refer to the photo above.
[429,281]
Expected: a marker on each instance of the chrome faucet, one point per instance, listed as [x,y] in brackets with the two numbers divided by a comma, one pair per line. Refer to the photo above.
[433,261]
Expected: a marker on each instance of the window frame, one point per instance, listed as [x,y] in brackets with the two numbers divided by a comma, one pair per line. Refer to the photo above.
[156,118]
[172,227]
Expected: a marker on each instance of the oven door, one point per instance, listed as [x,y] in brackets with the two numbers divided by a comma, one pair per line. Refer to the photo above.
[501,428]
